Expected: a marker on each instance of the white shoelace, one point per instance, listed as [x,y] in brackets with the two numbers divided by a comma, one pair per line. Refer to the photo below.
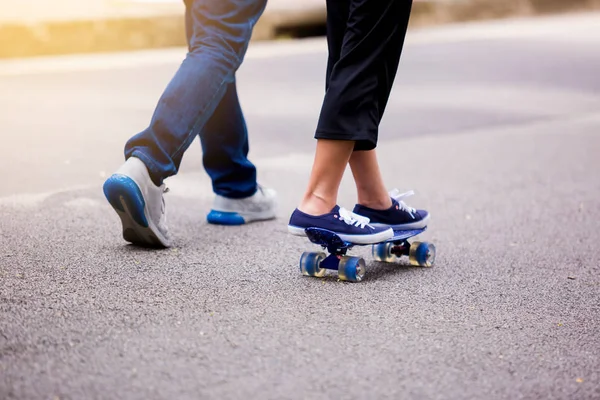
[351,218]
[396,195]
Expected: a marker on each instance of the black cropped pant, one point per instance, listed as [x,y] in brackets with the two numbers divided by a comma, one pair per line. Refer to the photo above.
[365,40]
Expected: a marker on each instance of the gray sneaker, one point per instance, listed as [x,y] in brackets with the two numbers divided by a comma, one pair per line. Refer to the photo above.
[258,207]
[139,203]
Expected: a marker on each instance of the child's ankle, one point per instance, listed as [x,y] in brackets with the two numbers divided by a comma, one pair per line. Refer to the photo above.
[376,204]
[316,205]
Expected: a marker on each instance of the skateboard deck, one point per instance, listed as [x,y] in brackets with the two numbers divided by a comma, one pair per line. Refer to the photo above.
[353,269]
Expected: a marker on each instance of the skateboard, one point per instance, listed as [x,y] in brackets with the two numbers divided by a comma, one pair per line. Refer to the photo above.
[353,269]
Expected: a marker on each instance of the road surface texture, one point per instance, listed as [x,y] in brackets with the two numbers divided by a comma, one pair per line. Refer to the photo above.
[496,126]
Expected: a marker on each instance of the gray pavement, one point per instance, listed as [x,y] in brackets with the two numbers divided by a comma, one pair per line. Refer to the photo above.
[494,125]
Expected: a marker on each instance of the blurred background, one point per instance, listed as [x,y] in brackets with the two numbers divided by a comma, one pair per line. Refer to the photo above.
[36,27]
[494,122]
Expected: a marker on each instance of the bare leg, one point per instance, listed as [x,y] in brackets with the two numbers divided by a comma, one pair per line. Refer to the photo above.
[369,182]
[331,159]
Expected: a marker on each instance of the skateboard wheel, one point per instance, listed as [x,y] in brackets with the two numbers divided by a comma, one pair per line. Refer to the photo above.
[351,269]
[421,254]
[383,252]
[310,264]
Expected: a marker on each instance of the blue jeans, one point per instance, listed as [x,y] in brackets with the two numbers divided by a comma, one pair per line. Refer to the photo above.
[202,100]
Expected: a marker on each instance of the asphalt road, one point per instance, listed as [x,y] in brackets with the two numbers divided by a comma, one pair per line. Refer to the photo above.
[496,126]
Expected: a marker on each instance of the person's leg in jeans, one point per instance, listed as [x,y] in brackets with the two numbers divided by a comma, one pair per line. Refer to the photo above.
[239,199]
[219,35]
[224,139]
[351,114]
[225,147]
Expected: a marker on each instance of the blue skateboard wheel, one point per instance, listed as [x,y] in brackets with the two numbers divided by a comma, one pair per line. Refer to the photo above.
[310,264]
[351,269]
[422,254]
[383,252]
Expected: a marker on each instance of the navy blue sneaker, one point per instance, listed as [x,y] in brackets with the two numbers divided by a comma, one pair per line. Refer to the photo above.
[399,216]
[347,225]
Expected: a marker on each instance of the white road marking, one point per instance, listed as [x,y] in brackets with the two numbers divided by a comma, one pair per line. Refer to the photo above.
[33,199]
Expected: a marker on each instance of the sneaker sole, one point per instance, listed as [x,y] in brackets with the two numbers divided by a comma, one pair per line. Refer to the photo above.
[354,239]
[405,227]
[125,197]
[233,218]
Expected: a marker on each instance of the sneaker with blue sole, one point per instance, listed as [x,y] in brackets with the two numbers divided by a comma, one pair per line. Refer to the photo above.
[349,226]
[139,203]
[399,216]
[261,206]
